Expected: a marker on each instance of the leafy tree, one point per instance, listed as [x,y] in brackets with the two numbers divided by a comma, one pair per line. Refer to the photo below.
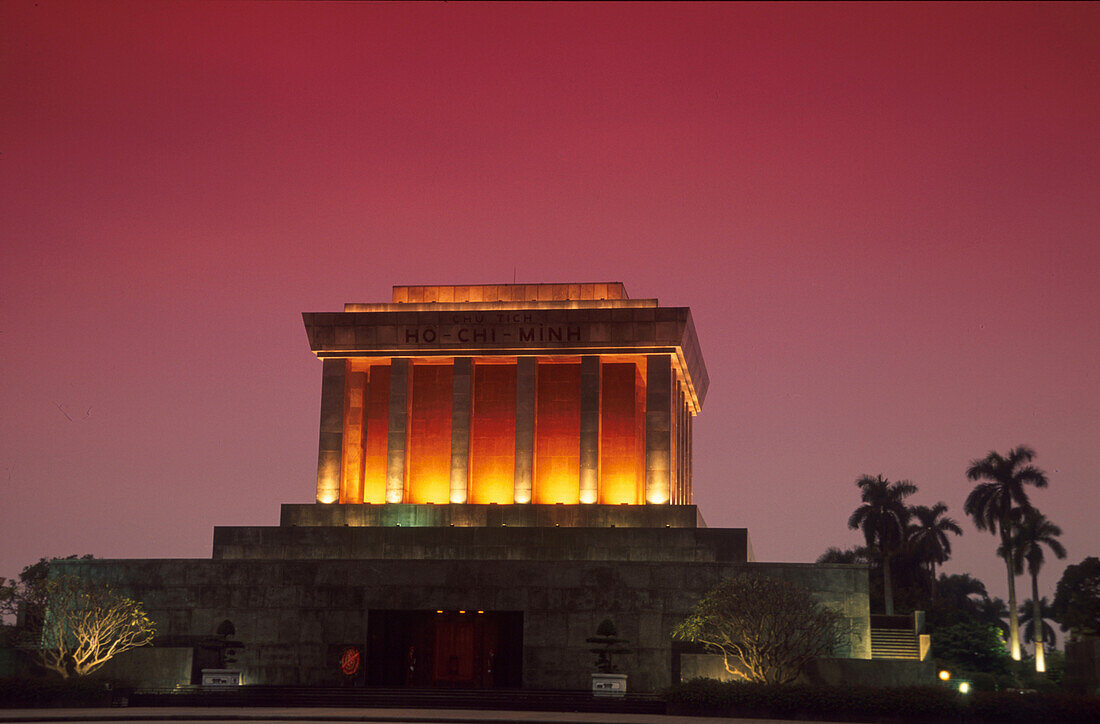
[766,630]
[833,554]
[970,646]
[882,519]
[1076,604]
[994,612]
[927,537]
[24,598]
[1000,491]
[1031,532]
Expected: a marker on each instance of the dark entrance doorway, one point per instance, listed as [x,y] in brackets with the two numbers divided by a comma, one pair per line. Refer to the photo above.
[456,649]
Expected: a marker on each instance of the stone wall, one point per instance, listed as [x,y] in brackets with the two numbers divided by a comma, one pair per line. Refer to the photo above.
[499,543]
[291,614]
[1083,665]
[826,672]
[156,666]
[491,516]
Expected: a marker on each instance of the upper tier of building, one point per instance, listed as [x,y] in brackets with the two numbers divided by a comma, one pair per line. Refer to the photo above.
[487,320]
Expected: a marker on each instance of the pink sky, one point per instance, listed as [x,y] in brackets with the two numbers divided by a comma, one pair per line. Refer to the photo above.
[884,218]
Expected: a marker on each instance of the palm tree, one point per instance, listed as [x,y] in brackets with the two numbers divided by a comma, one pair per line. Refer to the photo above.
[999,492]
[928,536]
[1027,621]
[882,518]
[959,587]
[1030,533]
[958,597]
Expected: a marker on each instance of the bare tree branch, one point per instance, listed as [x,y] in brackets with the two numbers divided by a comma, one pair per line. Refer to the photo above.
[766,630]
[78,625]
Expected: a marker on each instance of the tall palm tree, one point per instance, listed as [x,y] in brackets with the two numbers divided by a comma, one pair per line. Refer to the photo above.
[928,536]
[1031,532]
[882,518]
[1000,491]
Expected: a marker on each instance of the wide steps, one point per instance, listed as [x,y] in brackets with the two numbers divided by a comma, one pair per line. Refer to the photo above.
[894,644]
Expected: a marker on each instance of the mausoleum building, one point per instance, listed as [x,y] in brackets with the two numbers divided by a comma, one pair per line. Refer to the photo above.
[500,468]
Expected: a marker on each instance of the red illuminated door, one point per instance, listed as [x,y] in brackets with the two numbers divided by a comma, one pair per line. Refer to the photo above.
[455,651]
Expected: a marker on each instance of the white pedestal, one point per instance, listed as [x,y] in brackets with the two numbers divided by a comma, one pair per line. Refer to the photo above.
[608,684]
[221,677]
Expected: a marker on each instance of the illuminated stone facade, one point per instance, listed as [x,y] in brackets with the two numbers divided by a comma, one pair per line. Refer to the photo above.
[522,393]
[500,469]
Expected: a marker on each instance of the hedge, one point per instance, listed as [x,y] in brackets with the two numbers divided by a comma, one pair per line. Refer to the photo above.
[710,697]
[75,692]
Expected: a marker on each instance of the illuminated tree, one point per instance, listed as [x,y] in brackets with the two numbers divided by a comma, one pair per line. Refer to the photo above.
[765,630]
[79,625]
[1031,532]
[1027,620]
[882,518]
[1001,491]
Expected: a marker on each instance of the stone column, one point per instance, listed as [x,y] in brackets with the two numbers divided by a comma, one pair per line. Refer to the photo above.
[460,429]
[351,485]
[330,447]
[397,438]
[590,428]
[525,429]
[691,471]
[678,400]
[658,428]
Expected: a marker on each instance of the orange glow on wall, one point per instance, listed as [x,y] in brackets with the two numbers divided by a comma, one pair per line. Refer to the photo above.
[622,462]
[557,433]
[428,469]
[376,423]
[493,434]
[351,478]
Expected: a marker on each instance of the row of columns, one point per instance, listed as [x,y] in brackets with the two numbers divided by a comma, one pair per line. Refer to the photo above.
[667,430]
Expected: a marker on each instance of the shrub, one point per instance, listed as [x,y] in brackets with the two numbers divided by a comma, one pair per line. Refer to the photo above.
[702,697]
[73,692]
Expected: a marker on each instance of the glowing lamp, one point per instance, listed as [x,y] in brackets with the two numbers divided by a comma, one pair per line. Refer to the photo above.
[964,687]
[945,675]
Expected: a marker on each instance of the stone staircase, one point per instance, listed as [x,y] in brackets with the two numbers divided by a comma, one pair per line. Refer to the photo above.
[894,644]
[898,637]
